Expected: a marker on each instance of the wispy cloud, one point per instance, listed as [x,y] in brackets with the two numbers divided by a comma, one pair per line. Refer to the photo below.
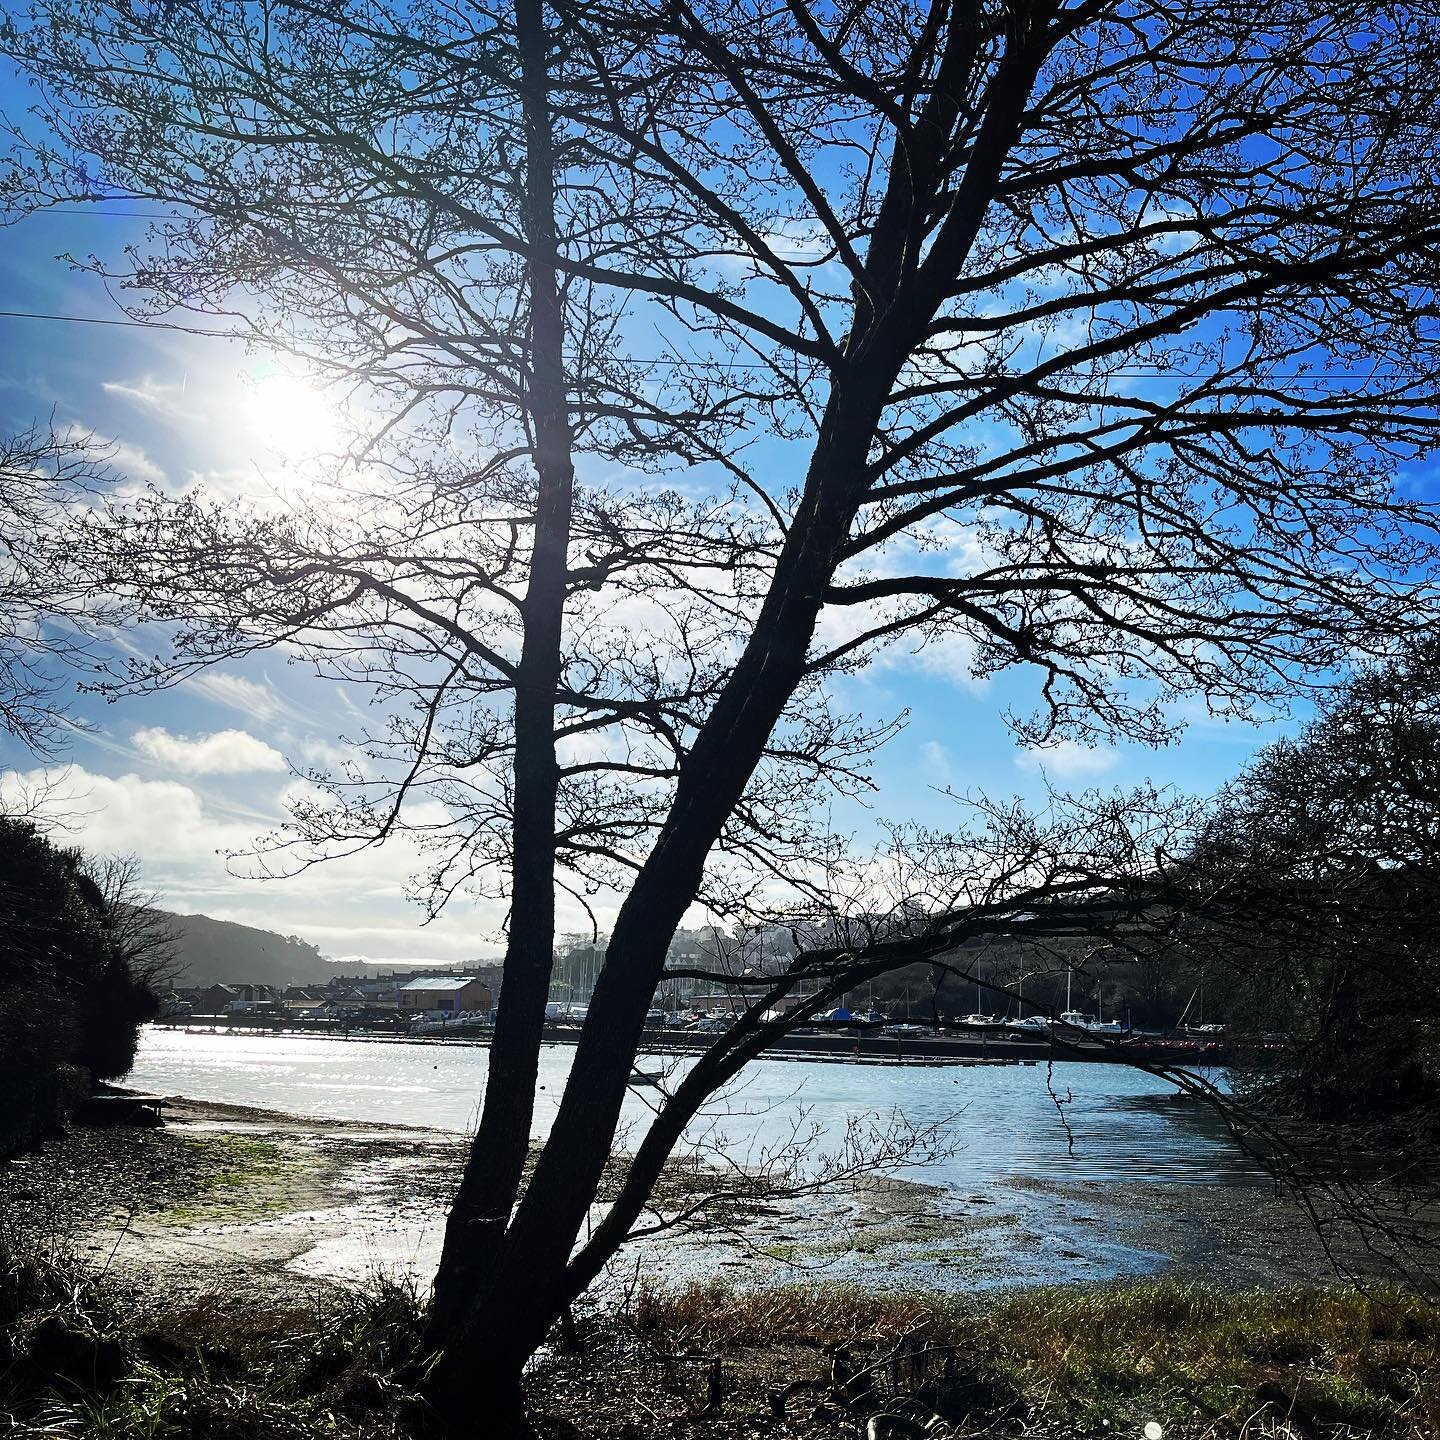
[936,758]
[258,698]
[1067,759]
[167,401]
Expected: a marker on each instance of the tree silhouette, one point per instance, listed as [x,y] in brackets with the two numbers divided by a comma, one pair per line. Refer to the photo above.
[1086,336]
[44,616]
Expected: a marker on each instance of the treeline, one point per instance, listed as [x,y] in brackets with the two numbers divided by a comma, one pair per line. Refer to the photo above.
[1303,914]
[80,960]
[1338,987]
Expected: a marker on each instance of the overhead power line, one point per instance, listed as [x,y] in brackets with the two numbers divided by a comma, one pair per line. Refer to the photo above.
[115,321]
[111,214]
[79,319]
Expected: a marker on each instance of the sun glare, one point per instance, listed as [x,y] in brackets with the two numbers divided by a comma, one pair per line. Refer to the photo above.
[289,418]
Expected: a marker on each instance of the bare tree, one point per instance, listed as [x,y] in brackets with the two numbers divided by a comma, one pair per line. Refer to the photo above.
[143,934]
[1094,333]
[431,573]
[43,619]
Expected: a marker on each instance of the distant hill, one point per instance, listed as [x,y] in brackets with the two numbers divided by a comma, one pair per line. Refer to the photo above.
[210,951]
[220,951]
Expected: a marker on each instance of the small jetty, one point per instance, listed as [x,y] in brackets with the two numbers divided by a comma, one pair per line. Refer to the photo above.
[120,1107]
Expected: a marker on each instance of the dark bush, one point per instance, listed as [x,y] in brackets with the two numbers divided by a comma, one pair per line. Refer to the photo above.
[68,999]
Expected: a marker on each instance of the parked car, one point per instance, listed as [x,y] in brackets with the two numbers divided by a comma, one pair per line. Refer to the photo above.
[906,1030]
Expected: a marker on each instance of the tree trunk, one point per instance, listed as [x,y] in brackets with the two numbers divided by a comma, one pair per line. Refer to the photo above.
[496,1162]
[482,1398]
[528,1285]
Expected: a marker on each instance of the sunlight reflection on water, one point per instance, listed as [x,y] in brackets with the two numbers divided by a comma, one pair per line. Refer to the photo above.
[1004,1123]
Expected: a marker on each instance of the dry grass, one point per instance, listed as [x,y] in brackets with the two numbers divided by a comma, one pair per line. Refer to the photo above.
[73,1362]
[1046,1323]
[1061,1363]
[1094,1361]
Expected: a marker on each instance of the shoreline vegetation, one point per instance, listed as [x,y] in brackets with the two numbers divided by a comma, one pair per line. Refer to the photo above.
[106,1339]
[714,1361]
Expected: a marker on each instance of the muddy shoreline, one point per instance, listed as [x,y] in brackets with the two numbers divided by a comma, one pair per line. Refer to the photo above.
[247,1200]
[240,1266]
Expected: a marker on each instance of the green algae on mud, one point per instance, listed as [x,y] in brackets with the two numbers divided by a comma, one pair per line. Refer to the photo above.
[213,1251]
[227,1197]
[243,1177]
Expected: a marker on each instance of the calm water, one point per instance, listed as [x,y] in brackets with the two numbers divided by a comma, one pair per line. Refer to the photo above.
[1100,1122]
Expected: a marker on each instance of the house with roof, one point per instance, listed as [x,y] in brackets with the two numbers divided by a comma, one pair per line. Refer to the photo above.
[266,998]
[210,999]
[378,992]
[444,992]
[304,1000]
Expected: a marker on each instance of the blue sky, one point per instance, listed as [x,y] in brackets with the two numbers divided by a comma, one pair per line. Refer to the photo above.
[178,777]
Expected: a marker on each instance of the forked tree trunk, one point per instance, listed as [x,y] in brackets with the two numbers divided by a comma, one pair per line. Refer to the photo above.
[496,1163]
[526,1285]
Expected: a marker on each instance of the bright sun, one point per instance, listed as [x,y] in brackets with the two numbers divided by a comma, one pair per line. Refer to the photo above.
[288,417]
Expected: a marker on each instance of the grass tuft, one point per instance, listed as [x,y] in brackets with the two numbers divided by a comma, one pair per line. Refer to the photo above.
[1330,1364]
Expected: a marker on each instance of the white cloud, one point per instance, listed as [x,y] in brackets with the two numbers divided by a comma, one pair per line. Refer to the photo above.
[226,752]
[134,464]
[792,242]
[1067,759]
[130,464]
[446,958]
[936,759]
[799,240]
[355,906]
[950,656]
[236,484]
[325,754]
[938,548]
[161,821]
